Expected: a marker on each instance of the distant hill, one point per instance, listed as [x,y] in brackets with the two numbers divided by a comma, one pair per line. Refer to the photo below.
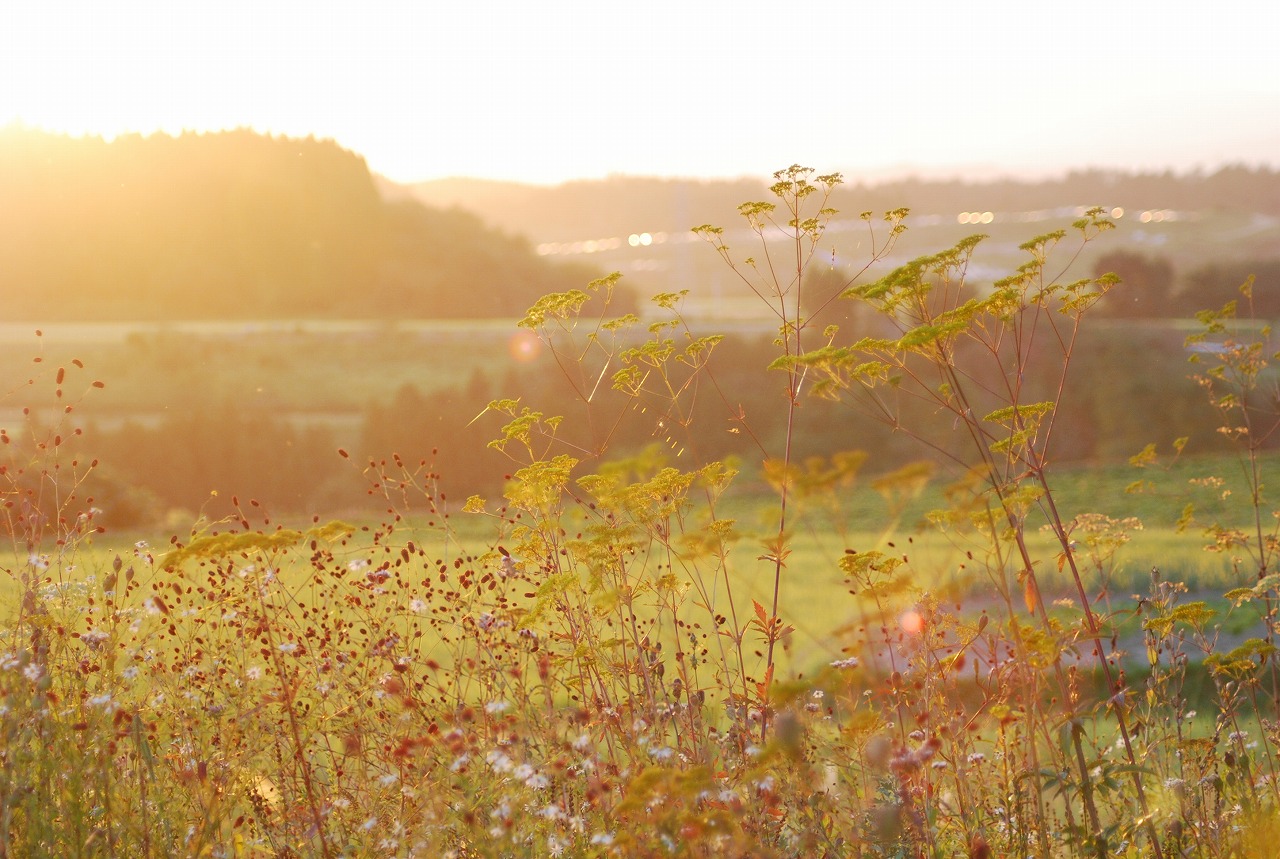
[625,204]
[241,225]
[1203,231]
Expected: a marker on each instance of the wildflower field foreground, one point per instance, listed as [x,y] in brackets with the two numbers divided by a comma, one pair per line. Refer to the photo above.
[623,657]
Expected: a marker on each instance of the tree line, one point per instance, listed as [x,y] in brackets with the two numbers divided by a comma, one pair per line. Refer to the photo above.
[438,434]
[240,225]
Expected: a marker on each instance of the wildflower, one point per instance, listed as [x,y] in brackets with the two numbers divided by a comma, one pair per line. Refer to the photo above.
[460,763]
[388,779]
[130,672]
[495,707]
[603,839]
[498,761]
[662,753]
[94,638]
[555,846]
[939,765]
[523,772]
[142,545]
[976,758]
[287,647]
[103,701]
[369,824]
[32,672]
[1174,783]
[253,672]
[582,743]
[851,662]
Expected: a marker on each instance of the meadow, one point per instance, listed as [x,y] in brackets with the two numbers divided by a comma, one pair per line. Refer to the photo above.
[980,654]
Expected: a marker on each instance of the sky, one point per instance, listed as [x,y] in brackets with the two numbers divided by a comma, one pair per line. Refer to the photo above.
[546,91]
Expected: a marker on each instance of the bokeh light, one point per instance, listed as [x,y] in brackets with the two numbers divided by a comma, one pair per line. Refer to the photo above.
[524,346]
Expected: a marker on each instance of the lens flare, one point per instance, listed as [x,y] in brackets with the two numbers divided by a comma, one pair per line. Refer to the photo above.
[524,347]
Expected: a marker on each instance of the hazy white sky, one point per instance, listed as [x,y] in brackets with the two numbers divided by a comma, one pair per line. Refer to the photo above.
[548,90]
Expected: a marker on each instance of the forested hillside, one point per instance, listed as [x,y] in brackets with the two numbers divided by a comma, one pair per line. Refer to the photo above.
[240,225]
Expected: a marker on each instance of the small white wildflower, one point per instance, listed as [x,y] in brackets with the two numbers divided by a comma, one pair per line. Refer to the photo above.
[939,765]
[495,707]
[555,845]
[32,672]
[287,647]
[523,772]
[752,751]
[537,781]
[94,638]
[130,672]
[498,761]
[976,758]
[459,763]
[1174,783]
[1238,736]
[662,753]
[551,812]
[851,662]
[357,565]
[582,743]
[388,779]
[417,606]
[602,838]
[103,701]
[142,544]
[369,824]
